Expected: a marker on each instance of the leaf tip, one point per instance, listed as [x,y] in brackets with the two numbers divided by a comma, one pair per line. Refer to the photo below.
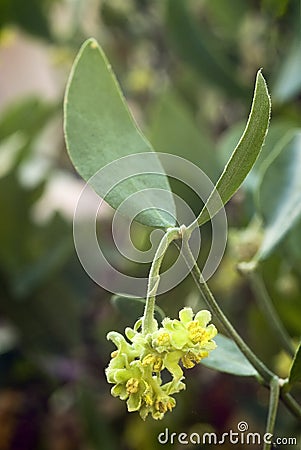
[92,43]
[262,84]
[260,77]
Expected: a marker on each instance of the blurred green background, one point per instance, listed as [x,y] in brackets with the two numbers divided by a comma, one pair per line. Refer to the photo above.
[187,68]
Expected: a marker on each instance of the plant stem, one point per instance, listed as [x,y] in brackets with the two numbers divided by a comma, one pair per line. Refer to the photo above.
[291,404]
[273,408]
[268,309]
[270,379]
[266,374]
[154,278]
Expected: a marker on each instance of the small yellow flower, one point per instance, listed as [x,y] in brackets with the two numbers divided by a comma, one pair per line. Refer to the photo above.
[154,361]
[195,332]
[187,333]
[136,366]
[132,386]
[189,360]
[164,404]
[163,339]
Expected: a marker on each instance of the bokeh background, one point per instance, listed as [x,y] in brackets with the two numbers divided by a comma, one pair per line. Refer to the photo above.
[187,68]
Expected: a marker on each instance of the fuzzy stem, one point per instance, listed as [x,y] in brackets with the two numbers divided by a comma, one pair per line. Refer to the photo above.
[273,408]
[154,278]
[291,404]
[265,373]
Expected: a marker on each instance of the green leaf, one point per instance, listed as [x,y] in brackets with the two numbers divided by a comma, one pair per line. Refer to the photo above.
[228,358]
[295,372]
[197,47]
[279,192]
[99,129]
[133,307]
[245,153]
[278,128]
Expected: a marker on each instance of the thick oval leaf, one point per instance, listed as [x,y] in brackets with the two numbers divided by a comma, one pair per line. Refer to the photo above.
[228,358]
[245,153]
[295,372]
[279,193]
[99,129]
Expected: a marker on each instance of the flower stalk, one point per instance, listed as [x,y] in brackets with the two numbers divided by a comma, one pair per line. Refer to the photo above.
[154,279]
[136,366]
[265,373]
[273,408]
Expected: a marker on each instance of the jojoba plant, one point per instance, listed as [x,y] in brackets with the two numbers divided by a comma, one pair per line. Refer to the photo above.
[99,131]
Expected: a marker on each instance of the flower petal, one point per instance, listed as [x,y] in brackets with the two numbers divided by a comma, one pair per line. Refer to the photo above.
[119,390]
[134,402]
[186,315]
[179,339]
[203,317]
[122,375]
[130,333]
[211,332]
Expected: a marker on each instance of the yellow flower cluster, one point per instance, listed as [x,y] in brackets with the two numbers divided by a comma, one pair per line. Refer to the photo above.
[136,366]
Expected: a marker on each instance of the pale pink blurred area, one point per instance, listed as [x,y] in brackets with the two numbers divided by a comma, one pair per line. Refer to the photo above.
[26,68]
[61,195]
[31,67]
